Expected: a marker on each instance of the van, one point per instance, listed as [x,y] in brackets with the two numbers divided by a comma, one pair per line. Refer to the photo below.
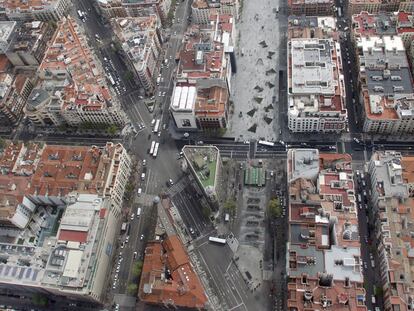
[226,217]
[138,212]
[139,191]
[373,299]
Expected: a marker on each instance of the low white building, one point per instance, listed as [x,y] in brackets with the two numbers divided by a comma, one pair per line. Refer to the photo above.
[182,107]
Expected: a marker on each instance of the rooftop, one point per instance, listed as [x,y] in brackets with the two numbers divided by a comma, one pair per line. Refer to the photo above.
[36,170]
[168,277]
[72,64]
[392,176]
[203,161]
[42,255]
[386,77]
[136,35]
[312,26]
[323,226]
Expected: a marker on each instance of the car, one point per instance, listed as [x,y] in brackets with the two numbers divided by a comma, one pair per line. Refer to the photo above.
[170,181]
[159,94]
[122,245]
[175,33]
[132,216]
[159,134]
[164,126]
[191,230]
[152,98]
[163,93]
[135,255]
[141,237]
[127,238]
[144,162]
[143,176]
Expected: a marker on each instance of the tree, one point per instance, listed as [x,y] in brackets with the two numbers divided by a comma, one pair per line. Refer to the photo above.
[274,207]
[137,268]
[40,300]
[230,205]
[112,129]
[132,288]
[2,143]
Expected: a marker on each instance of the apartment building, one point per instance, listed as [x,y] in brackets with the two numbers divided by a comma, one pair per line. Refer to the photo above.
[316,95]
[392,180]
[168,277]
[72,87]
[41,10]
[311,7]
[28,43]
[65,252]
[14,92]
[134,8]
[384,24]
[201,10]
[324,264]
[140,39]
[203,81]
[32,174]
[386,86]
[376,6]
[321,27]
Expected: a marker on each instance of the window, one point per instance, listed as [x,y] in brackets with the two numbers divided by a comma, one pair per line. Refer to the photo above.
[185,123]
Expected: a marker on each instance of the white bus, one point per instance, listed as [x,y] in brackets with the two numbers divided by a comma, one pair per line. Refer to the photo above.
[111,79]
[217,240]
[266,143]
[156,150]
[157,126]
[152,147]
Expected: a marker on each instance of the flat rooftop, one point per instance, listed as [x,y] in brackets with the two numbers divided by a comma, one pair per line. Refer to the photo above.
[203,161]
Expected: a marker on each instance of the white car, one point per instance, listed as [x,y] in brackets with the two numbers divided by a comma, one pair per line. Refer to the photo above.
[159,94]
[132,216]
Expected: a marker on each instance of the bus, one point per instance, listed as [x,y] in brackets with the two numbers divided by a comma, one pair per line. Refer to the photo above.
[157,126]
[111,79]
[156,150]
[124,227]
[266,143]
[152,147]
[217,240]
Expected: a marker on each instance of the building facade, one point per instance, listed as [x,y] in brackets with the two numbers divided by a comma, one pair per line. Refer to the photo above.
[324,263]
[201,10]
[392,180]
[140,40]
[72,88]
[46,10]
[316,87]
[386,86]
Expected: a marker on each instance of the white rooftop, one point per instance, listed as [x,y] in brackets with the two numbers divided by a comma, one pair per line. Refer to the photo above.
[184,98]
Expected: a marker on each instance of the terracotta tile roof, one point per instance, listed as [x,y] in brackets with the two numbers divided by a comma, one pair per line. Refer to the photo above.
[182,289]
[74,236]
